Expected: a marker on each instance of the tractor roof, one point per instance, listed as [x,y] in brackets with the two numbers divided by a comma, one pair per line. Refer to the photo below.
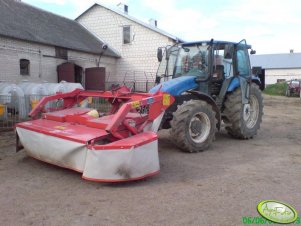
[216,42]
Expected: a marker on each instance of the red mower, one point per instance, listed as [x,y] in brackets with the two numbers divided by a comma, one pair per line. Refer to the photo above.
[118,145]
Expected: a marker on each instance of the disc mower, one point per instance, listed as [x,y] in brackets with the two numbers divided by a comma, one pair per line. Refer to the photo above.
[117,145]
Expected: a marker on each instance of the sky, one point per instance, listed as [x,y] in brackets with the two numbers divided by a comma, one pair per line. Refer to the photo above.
[270,26]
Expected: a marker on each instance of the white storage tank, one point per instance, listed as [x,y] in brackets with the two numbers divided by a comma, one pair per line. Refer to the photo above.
[53,88]
[12,99]
[69,86]
[33,93]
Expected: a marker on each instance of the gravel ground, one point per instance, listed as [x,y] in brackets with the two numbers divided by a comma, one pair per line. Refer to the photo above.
[215,187]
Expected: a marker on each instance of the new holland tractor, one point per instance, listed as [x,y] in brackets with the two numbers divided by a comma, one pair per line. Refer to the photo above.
[211,82]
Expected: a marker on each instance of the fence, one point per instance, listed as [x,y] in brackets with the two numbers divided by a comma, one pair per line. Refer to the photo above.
[138,81]
[12,110]
[135,86]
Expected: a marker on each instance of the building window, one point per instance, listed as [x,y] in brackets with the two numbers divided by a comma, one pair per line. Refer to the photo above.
[126,34]
[280,80]
[24,67]
[61,53]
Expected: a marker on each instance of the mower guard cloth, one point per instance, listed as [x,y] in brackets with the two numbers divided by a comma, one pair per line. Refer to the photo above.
[132,159]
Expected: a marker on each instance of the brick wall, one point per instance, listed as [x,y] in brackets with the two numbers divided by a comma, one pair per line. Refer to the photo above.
[140,55]
[42,62]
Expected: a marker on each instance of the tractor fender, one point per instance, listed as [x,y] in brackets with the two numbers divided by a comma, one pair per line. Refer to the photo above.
[235,83]
[177,86]
[256,80]
[211,101]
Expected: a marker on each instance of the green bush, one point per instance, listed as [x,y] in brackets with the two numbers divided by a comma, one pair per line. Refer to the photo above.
[277,89]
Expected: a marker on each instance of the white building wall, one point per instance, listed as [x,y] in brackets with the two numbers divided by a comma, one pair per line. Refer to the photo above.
[272,75]
[43,65]
[140,55]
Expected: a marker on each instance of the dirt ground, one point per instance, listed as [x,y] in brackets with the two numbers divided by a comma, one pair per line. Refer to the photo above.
[215,187]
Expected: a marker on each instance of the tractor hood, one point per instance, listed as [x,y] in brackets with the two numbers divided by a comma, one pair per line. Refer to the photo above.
[176,86]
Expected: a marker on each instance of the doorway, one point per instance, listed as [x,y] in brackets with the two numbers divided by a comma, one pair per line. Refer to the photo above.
[70,72]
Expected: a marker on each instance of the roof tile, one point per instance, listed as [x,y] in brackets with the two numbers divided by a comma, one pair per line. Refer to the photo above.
[22,21]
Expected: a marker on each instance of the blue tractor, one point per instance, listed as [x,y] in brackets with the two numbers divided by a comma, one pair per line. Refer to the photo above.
[212,82]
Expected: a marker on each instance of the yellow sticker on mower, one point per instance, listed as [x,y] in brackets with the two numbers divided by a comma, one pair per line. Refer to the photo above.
[60,127]
[135,104]
[166,99]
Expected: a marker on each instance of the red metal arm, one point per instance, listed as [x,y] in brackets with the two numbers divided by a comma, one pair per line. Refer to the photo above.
[70,97]
[156,104]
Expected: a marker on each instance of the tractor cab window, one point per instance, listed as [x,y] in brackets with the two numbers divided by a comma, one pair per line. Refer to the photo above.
[242,57]
[228,60]
[167,65]
[218,65]
[223,61]
[173,53]
[192,60]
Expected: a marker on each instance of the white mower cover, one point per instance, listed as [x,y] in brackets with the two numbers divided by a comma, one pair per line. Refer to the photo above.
[133,158]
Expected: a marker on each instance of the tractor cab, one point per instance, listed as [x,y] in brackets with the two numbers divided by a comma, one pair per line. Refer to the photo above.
[210,62]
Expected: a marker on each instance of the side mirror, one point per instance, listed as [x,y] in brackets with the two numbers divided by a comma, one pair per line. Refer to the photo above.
[252,51]
[159,54]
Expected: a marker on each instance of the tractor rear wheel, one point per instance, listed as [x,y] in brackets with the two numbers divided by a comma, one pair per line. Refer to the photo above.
[243,120]
[193,126]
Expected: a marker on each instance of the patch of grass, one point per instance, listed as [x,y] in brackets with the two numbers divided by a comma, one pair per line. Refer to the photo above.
[277,89]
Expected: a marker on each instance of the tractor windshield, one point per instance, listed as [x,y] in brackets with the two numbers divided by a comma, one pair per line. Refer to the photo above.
[183,61]
[192,60]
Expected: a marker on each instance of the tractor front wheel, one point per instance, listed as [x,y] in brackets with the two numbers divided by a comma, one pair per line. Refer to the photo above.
[243,120]
[193,126]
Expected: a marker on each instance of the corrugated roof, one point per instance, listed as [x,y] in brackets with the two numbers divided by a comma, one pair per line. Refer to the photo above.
[115,10]
[22,21]
[277,61]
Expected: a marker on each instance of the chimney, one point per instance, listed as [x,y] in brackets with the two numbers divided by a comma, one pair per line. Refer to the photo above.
[153,22]
[291,51]
[124,8]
